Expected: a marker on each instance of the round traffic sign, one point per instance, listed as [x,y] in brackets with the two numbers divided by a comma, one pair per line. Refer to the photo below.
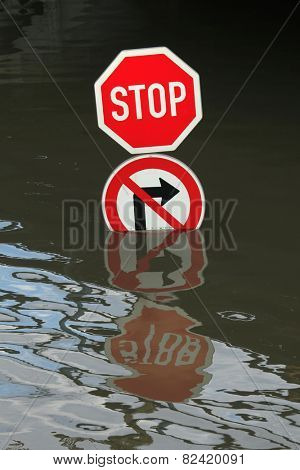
[153,192]
[148,100]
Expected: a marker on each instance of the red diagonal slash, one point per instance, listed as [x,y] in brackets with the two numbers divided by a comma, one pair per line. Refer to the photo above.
[161,211]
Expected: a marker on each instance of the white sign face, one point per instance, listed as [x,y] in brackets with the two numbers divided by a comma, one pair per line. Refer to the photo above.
[153,192]
[165,184]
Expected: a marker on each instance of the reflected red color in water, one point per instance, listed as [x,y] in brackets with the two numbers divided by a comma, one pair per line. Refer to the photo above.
[167,359]
[127,265]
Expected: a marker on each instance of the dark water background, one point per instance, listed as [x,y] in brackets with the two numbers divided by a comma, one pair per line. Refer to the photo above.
[63,383]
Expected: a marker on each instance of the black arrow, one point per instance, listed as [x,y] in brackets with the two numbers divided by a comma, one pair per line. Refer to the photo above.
[166,191]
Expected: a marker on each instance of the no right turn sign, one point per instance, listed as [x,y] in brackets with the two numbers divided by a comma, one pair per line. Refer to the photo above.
[153,192]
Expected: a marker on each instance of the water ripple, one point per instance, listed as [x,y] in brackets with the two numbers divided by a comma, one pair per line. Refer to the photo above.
[8,226]
[53,335]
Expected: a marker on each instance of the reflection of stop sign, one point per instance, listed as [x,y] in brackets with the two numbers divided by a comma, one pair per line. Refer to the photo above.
[168,361]
[148,100]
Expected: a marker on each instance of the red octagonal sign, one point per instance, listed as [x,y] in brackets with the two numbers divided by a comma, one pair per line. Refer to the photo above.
[148,100]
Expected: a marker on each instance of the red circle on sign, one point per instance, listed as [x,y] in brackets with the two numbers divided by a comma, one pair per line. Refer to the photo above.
[121,176]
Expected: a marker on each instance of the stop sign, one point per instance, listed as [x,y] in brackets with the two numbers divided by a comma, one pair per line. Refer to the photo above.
[148,100]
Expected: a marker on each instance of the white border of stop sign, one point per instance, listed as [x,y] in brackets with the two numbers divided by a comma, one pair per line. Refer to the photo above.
[123,107]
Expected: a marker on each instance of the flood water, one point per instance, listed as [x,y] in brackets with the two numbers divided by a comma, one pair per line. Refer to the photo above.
[186,341]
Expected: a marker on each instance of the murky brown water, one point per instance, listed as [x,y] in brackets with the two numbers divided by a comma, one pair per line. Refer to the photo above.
[97,352]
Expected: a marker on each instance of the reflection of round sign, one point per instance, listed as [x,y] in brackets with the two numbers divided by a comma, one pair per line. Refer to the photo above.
[167,360]
[155,262]
[153,192]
